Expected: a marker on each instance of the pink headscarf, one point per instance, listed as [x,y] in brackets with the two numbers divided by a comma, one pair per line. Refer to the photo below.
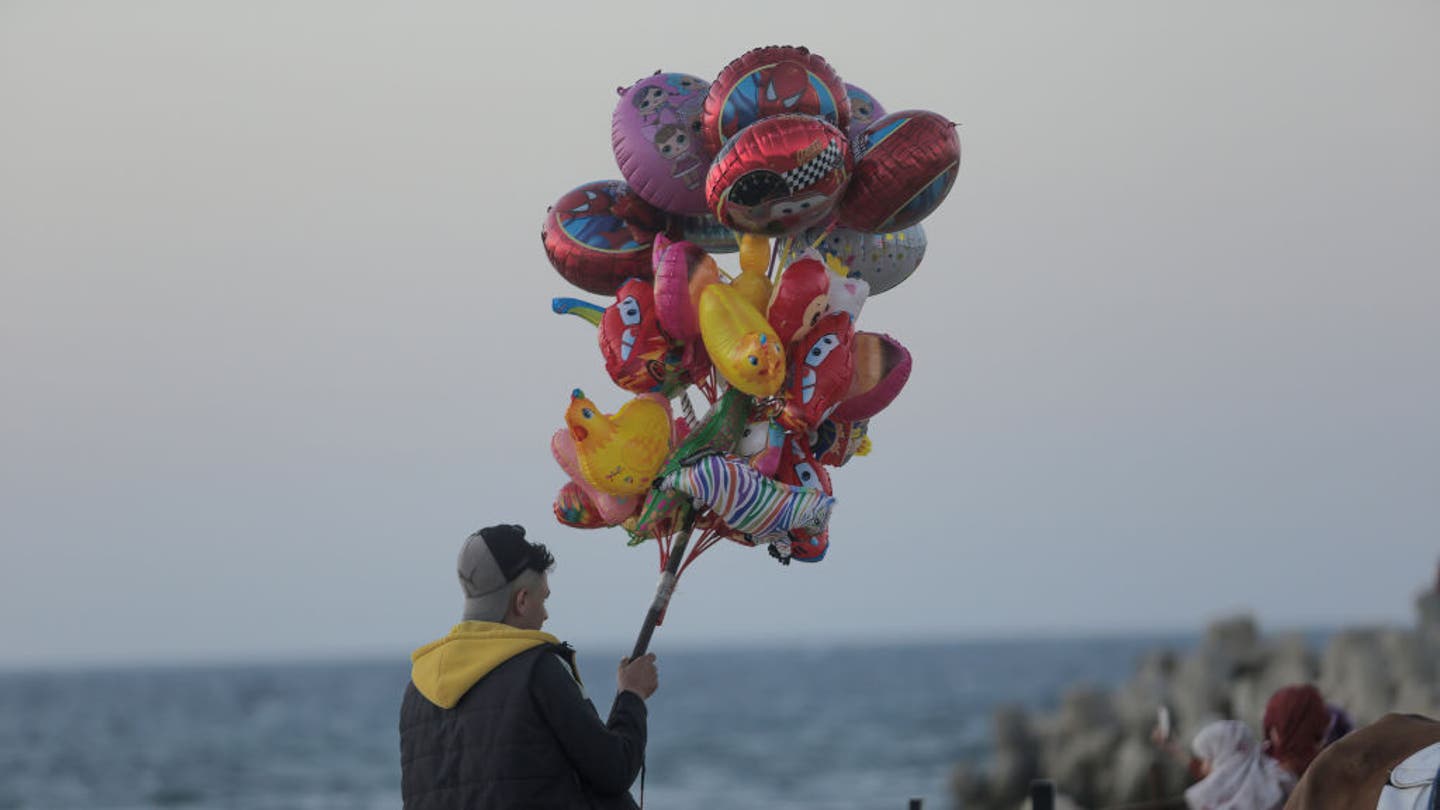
[1240,777]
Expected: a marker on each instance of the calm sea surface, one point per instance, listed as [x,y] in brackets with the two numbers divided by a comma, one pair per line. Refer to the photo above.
[843,727]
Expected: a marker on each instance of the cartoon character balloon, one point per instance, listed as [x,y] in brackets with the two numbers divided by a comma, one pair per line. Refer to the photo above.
[741,344]
[620,453]
[824,367]
[580,501]
[656,135]
[770,81]
[762,444]
[847,295]
[598,235]
[632,343]
[799,299]
[780,176]
[864,110]
[882,260]
[749,502]
[799,467]
[906,164]
[835,443]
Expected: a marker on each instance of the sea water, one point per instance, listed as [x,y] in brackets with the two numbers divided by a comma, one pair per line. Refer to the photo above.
[811,727]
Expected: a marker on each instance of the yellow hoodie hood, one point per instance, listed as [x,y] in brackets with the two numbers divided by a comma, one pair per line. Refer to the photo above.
[444,670]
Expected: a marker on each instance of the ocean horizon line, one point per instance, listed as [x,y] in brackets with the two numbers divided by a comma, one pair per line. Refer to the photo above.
[1160,636]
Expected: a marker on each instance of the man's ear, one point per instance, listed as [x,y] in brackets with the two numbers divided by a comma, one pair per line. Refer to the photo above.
[520,601]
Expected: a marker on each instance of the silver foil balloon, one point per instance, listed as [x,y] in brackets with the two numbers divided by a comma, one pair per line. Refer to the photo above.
[883,260]
[707,232]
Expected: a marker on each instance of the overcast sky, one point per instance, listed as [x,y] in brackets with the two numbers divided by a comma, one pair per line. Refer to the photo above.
[275,330]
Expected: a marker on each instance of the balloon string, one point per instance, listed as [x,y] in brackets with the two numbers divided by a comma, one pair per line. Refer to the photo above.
[709,386]
[794,248]
[663,544]
[823,234]
[707,540]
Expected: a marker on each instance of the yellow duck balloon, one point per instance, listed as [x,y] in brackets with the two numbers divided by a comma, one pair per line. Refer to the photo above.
[742,345]
[620,454]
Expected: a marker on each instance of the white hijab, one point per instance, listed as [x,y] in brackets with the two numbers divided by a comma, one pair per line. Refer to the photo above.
[1240,778]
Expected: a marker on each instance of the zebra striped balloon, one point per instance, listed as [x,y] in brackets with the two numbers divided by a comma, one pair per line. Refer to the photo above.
[748,502]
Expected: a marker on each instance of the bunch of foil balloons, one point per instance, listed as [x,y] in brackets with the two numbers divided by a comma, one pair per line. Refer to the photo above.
[821,194]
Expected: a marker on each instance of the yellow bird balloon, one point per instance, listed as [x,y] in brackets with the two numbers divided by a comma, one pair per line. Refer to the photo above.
[741,343]
[620,453]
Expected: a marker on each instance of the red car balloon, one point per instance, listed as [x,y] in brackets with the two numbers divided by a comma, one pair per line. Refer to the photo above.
[599,234]
[780,176]
[906,163]
[798,466]
[775,80]
[634,347]
[822,365]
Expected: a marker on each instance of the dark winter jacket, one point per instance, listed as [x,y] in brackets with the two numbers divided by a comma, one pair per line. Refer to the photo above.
[496,717]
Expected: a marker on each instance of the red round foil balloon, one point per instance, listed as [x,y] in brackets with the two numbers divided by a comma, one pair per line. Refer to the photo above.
[906,163]
[774,80]
[598,235]
[780,176]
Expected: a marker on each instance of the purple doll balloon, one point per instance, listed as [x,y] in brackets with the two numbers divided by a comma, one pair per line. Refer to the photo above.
[864,110]
[655,131]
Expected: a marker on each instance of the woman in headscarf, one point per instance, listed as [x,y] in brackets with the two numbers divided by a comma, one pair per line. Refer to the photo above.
[1236,775]
[1295,726]
[1340,725]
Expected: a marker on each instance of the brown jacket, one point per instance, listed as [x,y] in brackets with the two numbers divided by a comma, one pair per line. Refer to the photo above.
[1350,772]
